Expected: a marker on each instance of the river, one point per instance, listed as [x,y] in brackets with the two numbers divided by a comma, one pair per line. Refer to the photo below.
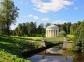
[63,56]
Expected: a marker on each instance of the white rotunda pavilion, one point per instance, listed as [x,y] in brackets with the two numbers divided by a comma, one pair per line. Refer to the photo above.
[52,31]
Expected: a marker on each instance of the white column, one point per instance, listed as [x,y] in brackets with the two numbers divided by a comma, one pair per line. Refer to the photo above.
[46,33]
[56,32]
[50,33]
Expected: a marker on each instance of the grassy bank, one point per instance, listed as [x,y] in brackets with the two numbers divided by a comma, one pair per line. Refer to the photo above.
[12,48]
[58,38]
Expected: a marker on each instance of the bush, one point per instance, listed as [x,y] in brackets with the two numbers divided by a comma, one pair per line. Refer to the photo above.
[79,38]
[70,37]
[62,33]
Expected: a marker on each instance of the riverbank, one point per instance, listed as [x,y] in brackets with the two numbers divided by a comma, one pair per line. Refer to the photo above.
[11,49]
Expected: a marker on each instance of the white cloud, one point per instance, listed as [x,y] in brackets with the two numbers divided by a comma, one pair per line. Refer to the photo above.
[58,22]
[33,16]
[47,20]
[53,5]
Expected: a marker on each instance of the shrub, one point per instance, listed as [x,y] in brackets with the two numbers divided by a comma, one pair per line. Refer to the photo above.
[79,38]
[70,37]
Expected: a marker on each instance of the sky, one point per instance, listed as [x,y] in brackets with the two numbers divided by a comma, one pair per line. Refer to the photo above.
[52,11]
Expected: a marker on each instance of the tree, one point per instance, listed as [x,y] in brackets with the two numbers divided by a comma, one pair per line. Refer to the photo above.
[48,24]
[41,29]
[68,25]
[32,28]
[73,27]
[62,33]
[8,13]
[79,38]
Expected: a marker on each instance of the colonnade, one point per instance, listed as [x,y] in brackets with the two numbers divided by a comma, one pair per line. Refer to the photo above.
[52,33]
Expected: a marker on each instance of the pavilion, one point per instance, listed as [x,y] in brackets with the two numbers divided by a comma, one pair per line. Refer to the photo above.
[52,31]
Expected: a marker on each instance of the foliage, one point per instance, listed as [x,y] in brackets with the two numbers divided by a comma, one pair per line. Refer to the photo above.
[79,38]
[8,14]
[70,37]
[29,29]
[8,57]
[74,27]
[48,24]
[64,27]
[62,33]
[11,48]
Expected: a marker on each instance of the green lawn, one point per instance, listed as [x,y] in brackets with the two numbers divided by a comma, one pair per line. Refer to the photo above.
[34,38]
[55,39]
[58,38]
[12,48]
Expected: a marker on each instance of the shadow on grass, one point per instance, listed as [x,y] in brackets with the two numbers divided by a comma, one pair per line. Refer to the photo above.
[14,46]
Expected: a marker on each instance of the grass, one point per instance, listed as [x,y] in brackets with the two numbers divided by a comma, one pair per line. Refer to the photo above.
[34,38]
[58,38]
[12,48]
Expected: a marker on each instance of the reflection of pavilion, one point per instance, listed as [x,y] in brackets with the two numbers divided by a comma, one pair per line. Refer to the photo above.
[52,31]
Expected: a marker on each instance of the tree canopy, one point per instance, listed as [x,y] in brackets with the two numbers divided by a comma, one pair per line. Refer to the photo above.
[8,14]
[79,38]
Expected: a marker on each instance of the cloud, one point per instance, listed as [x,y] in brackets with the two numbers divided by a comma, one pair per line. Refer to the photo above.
[47,20]
[33,16]
[52,6]
[58,22]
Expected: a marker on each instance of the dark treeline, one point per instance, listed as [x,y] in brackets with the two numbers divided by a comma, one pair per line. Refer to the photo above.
[29,29]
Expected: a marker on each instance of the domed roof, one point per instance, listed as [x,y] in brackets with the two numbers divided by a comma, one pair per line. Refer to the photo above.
[52,27]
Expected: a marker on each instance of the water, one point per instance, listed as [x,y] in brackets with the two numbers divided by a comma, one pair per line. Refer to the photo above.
[64,56]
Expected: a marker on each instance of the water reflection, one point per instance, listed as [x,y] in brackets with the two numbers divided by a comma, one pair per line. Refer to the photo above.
[77,57]
[66,56]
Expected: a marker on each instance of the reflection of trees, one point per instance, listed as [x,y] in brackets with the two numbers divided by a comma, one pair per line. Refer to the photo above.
[77,57]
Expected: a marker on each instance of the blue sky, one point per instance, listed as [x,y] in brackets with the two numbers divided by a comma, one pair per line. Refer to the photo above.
[53,11]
